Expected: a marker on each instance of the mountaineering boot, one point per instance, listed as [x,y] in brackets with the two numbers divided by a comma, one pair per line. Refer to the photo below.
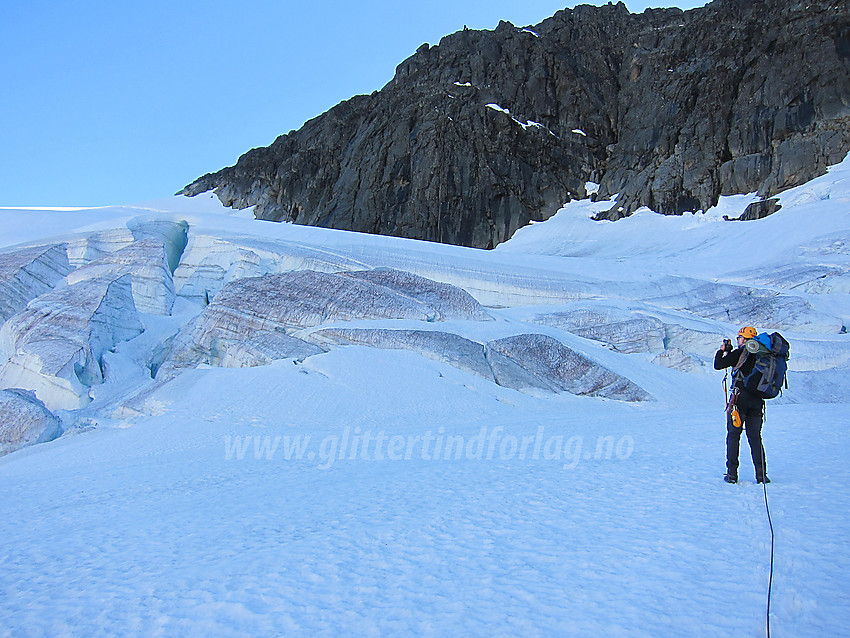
[762,479]
[730,478]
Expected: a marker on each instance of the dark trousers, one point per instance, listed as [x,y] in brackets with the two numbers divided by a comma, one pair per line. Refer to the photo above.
[751,409]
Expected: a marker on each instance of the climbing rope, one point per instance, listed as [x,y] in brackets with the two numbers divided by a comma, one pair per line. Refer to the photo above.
[770,523]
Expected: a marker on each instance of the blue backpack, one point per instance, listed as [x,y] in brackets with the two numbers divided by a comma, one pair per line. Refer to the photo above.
[767,377]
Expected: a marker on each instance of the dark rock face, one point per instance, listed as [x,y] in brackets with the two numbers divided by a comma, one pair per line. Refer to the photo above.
[732,98]
[489,130]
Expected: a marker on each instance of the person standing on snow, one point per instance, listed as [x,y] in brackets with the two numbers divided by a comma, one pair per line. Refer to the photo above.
[749,407]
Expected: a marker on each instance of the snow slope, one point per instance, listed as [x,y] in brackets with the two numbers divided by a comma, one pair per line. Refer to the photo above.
[373,491]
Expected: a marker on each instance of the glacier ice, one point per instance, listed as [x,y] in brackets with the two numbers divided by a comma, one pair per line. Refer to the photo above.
[441,346]
[743,305]
[678,359]
[54,346]
[629,330]
[259,350]
[520,362]
[510,373]
[248,320]
[622,330]
[247,307]
[815,355]
[84,248]
[24,420]
[550,364]
[209,262]
[449,301]
[309,298]
[703,343]
[29,272]
[819,279]
[88,247]
[146,261]
[174,236]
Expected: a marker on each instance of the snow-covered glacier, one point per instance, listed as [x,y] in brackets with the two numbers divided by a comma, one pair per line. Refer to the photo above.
[548,364]
[212,260]
[273,429]
[24,420]
[54,346]
[146,262]
[251,307]
[29,272]
[451,302]
[622,329]
[251,293]
[450,348]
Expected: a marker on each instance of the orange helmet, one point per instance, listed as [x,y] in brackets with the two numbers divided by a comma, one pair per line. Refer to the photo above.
[747,332]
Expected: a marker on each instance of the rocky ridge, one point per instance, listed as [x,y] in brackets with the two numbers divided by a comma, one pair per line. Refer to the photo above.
[489,130]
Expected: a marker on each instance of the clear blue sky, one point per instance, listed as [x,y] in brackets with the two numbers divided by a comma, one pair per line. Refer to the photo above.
[114,102]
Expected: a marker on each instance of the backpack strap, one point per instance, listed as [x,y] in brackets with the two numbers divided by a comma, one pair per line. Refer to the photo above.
[741,359]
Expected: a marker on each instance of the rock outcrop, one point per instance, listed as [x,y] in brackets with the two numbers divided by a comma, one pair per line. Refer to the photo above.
[489,130]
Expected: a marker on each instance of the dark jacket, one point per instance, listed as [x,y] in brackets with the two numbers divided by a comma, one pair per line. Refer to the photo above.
[723,359]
